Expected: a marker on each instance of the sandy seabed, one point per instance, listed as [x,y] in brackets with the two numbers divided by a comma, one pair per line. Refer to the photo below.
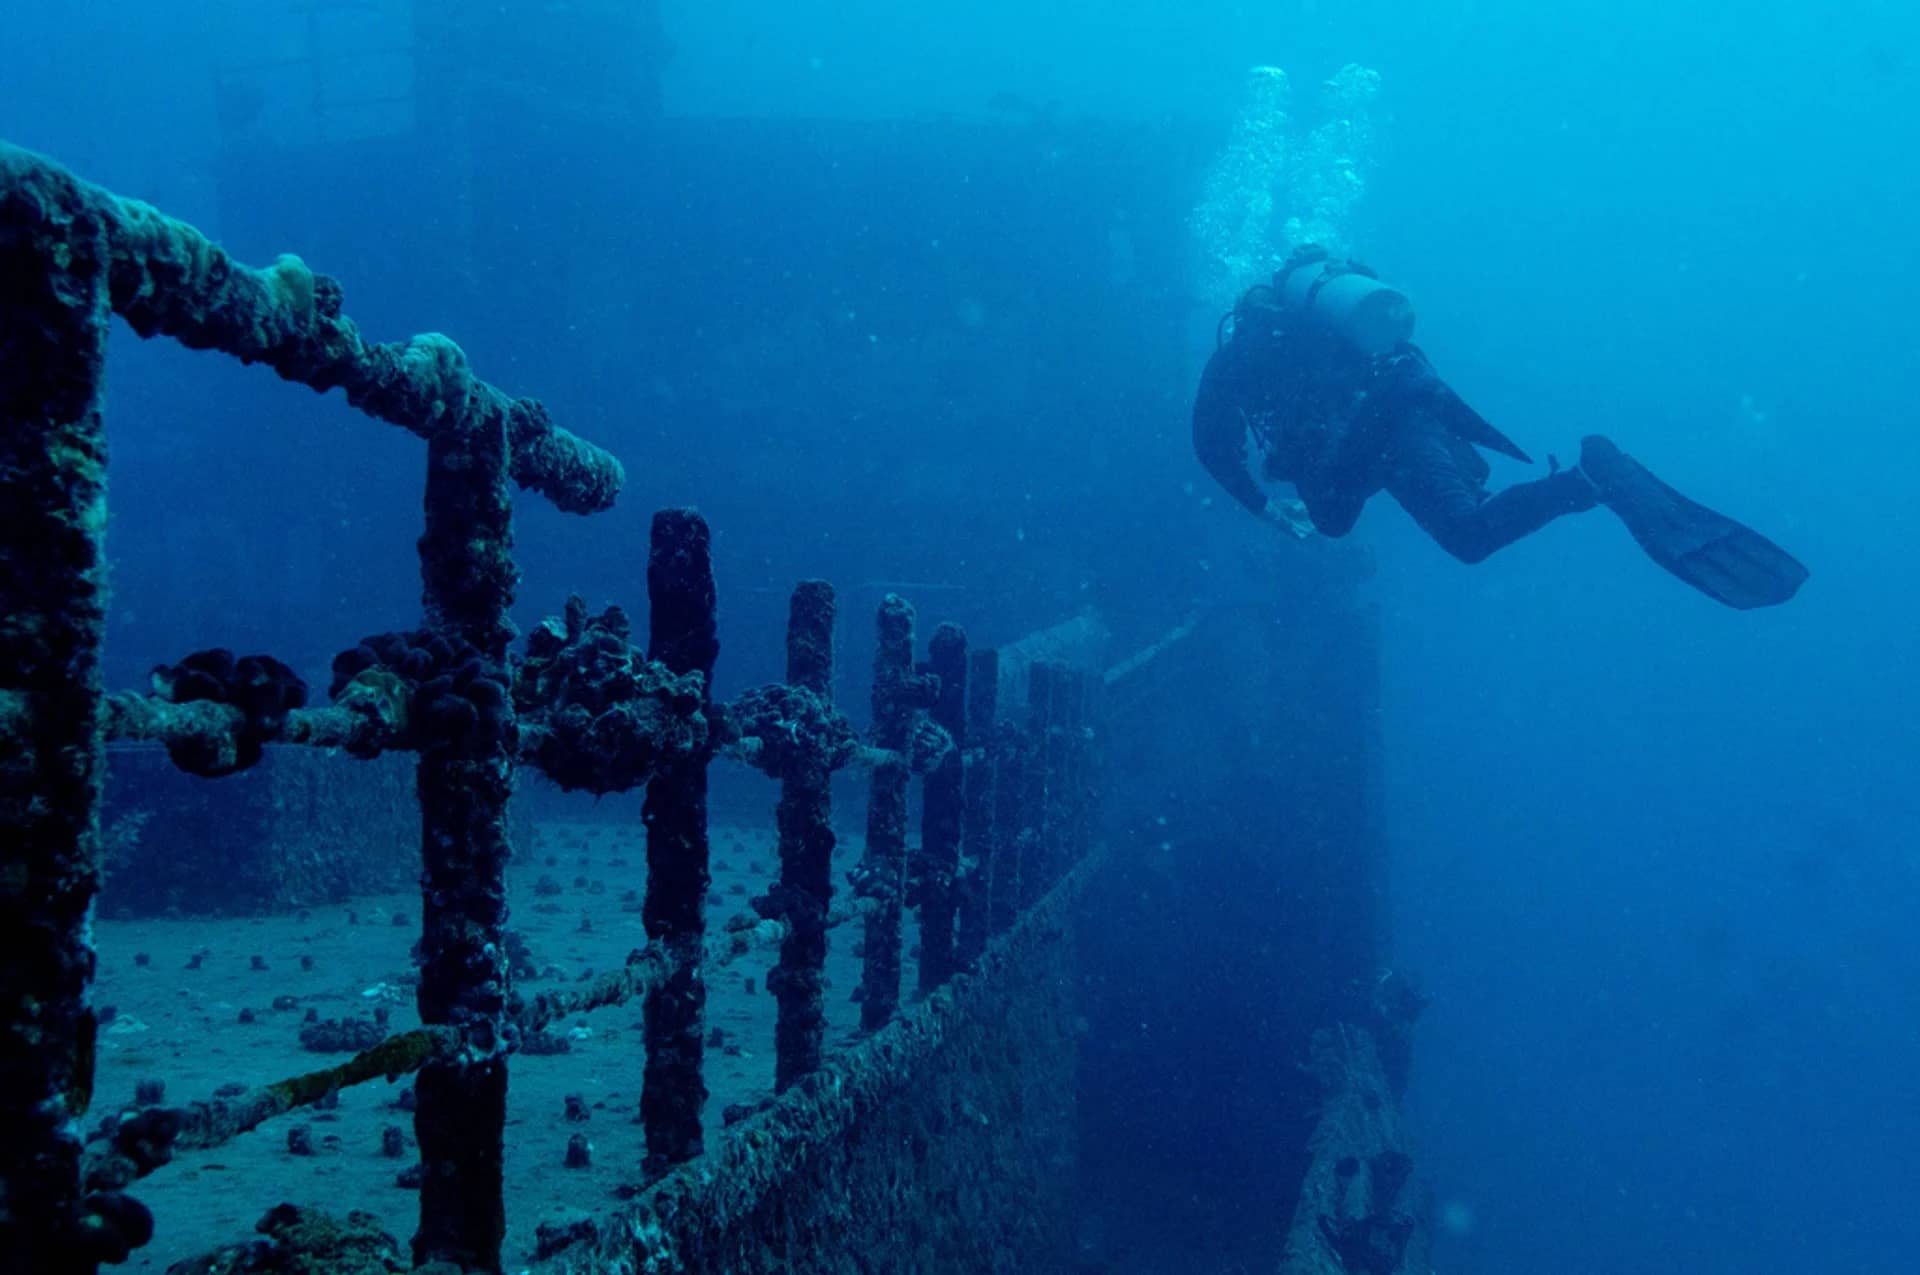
[182,1026]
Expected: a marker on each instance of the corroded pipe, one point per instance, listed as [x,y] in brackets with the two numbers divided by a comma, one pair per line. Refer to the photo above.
[681,635]
[146,1140]
[465,781]
[166,278]
[53,330]
[882,873]
[215,729]
[805,819]
[941,809]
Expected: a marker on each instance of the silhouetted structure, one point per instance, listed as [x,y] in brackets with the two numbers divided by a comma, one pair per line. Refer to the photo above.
[967,1095]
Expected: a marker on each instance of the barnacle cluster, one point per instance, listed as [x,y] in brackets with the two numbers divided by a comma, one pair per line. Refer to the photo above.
[261,687]
[602,717]
[453,696]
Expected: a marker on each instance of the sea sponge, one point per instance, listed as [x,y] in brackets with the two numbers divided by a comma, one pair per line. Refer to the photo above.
[292,285]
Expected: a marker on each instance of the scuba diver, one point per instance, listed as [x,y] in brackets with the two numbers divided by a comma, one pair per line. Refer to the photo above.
[1317,370]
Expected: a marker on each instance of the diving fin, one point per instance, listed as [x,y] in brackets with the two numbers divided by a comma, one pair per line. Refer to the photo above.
[1728,562]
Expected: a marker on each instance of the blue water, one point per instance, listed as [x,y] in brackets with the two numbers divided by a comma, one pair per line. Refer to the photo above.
[1655,860]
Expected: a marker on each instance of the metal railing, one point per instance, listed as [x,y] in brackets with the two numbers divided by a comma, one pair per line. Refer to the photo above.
[1006,811]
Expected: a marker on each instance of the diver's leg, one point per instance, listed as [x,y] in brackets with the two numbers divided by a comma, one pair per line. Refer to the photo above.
[1438,479]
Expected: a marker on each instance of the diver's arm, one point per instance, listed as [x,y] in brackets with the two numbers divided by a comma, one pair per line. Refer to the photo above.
[1220,437]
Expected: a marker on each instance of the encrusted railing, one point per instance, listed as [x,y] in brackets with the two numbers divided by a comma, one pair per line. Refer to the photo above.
[1006,812]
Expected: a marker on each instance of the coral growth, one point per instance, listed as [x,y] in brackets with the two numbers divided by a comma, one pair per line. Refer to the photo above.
[782,729]
[301,1241]
[450,696]
[261,687]
[600,715]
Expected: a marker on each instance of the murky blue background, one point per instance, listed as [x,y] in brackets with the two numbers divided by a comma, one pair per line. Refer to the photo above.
[1655,860]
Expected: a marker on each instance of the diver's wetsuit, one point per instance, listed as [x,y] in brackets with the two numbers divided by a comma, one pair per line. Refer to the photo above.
[1340,426]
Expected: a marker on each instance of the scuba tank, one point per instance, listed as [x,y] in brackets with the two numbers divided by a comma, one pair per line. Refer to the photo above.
[1346,298]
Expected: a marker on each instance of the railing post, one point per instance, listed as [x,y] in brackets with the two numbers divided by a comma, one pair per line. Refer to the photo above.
[976,847]
[941,809]
[681,635]
[805,818]
[53,330]
[883,867]
[465,779]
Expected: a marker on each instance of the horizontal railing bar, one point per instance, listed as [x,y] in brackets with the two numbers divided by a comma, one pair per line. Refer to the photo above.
[1153,650]
[131,718]
[166,278]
